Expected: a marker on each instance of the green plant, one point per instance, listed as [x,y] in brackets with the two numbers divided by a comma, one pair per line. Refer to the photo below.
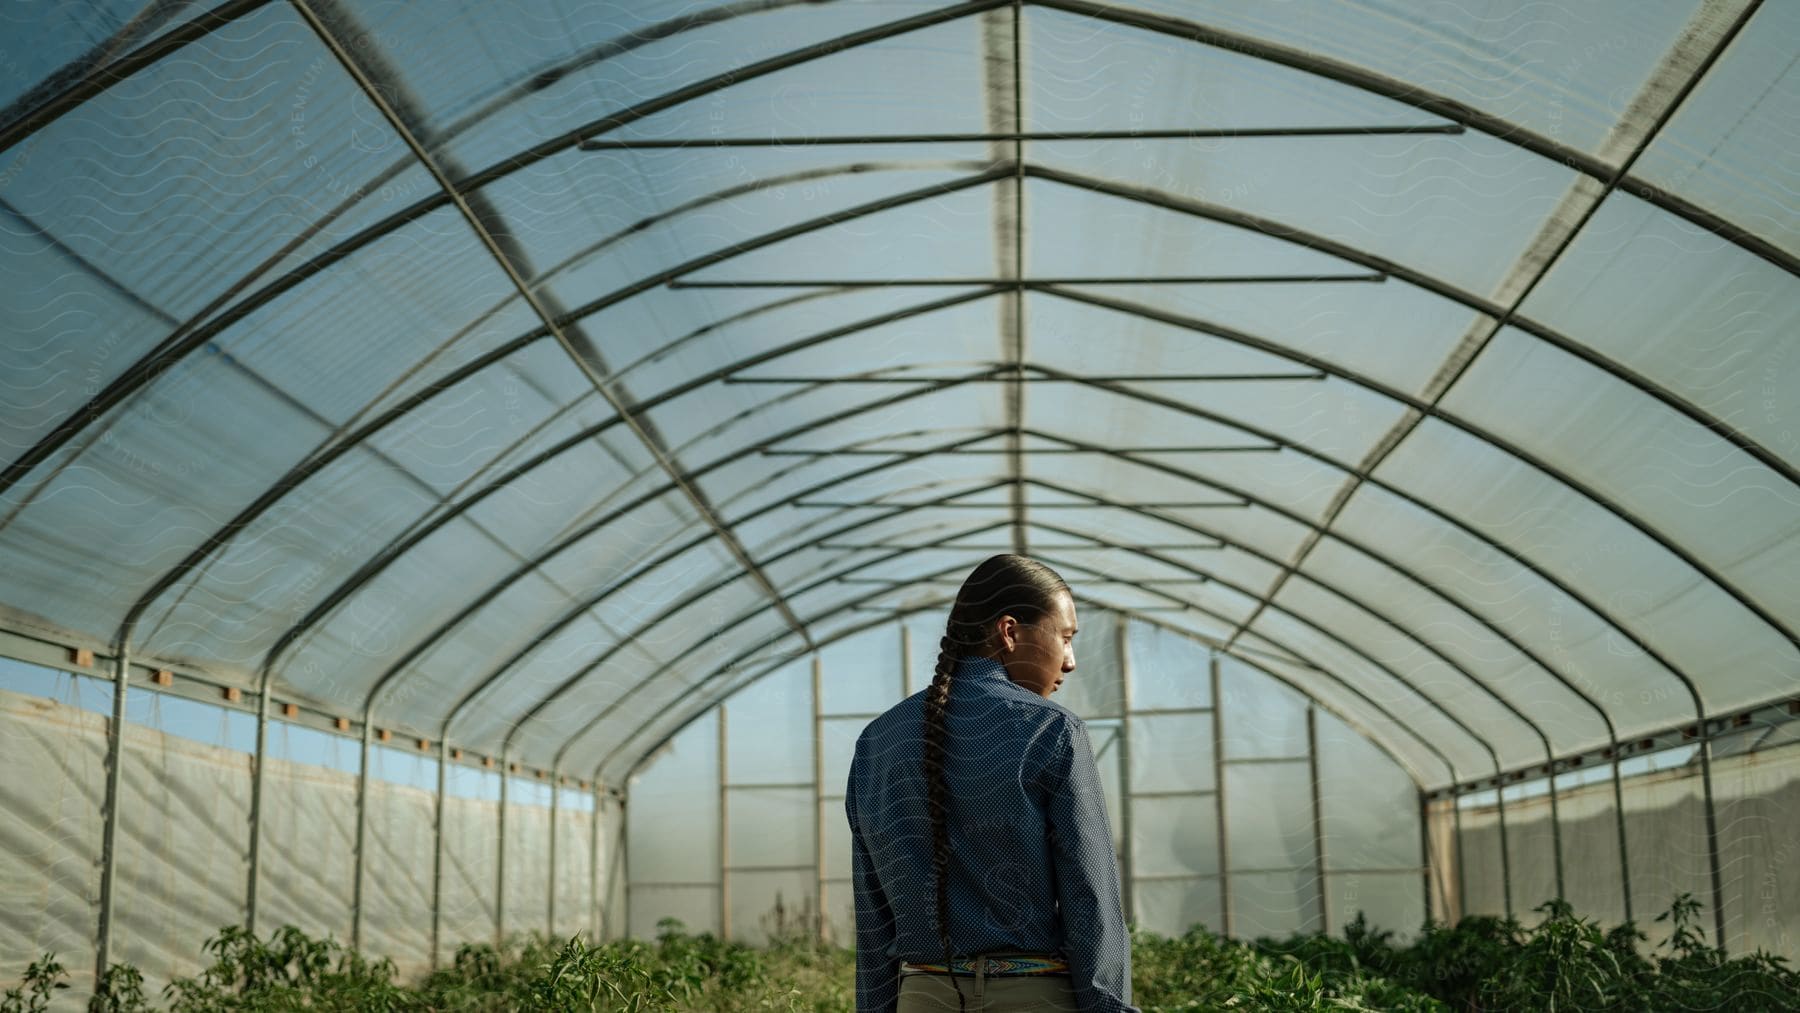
[42,978]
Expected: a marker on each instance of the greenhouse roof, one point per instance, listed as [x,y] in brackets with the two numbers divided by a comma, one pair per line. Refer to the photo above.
[533,376]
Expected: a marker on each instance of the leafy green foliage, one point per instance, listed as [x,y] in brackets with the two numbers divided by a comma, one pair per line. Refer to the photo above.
[1482,964]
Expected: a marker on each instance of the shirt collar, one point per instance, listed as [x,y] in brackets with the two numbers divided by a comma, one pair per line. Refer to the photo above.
[970,664]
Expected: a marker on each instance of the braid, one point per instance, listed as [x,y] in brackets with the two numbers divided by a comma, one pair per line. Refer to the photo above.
[937,702]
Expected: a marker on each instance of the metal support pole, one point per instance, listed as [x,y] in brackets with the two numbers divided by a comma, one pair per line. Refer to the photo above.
[1425,862]
[258,784]
[596,926]
[500,861]
[905,661]
[1456,854]
[1128,866]
[1505,850]
[1556,832]
[437,851]
[1318,814]
[625,865]
[109,865]
[1619,819]
[818,751]
[550,880]
[1218,738]
[724,840]
[362,836]
[1712,836]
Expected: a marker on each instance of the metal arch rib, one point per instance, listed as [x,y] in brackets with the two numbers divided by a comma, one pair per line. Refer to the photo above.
[1436,286]
[746,616]
[610,757]
[1374,663]
[1410,94]
[1378,741]
[581,533]
[1348,74]
[1202,530]
[1428,507]
[475,223]
[542,636]
[196,334]
[1235,336]
[147,367]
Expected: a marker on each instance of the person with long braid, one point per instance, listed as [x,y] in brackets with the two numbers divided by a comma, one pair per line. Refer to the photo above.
[982,858]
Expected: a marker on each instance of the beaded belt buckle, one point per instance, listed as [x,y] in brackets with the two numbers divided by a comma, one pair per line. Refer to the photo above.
[1012,964]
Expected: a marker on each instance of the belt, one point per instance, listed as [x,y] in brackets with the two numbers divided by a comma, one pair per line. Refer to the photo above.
[1006,965]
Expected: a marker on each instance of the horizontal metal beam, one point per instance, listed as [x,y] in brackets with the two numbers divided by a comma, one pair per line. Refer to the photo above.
[1195,279]
[1008,548]
[864,504]
[1012,137]
[865,451]
[1034,378]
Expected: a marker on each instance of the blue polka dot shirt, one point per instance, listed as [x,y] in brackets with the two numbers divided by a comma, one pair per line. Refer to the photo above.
[1031,863]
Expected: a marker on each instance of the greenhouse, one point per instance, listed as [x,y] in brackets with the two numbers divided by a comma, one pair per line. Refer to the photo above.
[474,470]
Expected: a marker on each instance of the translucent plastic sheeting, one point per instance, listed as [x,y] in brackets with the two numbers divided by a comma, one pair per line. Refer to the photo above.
[1480,881]
[770,826]
[570,879]
[674,825]
[1167,670]
[1593,880]
[1665,832]
[471,842]
[1394,901]
[397,875]
[528,882]
[183,854]
[1171,907]
[1369,808]
[307,865]
[767,905]
[861,673]
[695,907]
[612,883]
[1756,796]
[1275,904]
[1531,848]
[50,866]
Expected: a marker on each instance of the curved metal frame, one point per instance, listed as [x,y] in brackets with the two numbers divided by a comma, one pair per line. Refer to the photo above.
[1357,77]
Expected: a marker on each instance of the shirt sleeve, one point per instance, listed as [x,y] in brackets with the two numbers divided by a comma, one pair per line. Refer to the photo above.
[1096,941]
[877,974]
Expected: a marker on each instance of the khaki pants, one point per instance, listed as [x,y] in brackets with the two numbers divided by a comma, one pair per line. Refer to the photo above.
[1026,993]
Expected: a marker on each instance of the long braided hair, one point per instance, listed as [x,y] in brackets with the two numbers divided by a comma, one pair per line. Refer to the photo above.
[1006,584]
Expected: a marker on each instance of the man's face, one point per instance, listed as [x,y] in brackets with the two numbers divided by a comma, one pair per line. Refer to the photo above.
[1042,653]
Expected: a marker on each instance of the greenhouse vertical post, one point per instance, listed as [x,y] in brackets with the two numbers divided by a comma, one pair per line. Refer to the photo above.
[1425,851]
[1712,834]
[258,784]
[109,853]
[724,840]
[1555,828]
[1318,813]
[1505,849]
[595,929]
[1218,756]
[818,758]
[1128,870]
[362,832]
[550,880]
[1456,858]
[905,661]
[1619,819]
[500,861]
[437,850]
